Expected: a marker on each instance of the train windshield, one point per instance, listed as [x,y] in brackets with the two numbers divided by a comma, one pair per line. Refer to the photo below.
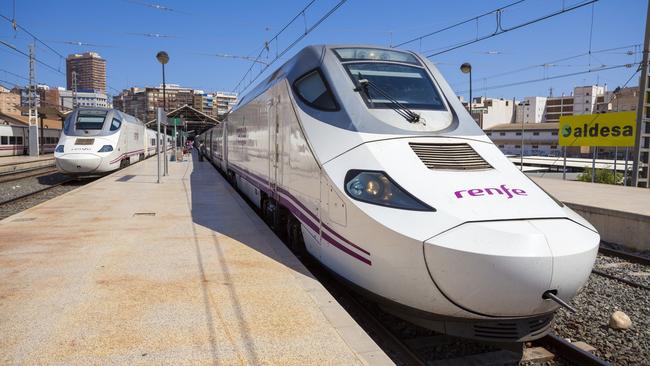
[90,119]
[408,85]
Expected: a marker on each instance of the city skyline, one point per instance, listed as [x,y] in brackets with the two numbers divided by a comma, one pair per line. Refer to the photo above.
[527,52]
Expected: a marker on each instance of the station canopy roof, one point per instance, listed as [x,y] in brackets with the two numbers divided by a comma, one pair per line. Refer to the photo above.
[195,120]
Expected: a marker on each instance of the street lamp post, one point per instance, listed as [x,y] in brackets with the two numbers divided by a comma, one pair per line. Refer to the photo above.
[466,68]
[163,58]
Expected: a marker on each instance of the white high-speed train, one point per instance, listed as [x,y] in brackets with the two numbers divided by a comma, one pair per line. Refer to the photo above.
[366,157]
[96,141]
[14,140]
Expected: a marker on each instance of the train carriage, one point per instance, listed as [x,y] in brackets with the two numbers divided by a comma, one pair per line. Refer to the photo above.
[14,140]
[97,141]
[368,161]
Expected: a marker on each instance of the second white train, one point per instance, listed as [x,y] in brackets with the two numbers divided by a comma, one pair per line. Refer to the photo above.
[96,141]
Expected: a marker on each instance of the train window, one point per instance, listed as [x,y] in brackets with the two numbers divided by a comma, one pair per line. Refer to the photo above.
[153,142]
[12,140]
[350,54]
[4,140]
[115,124]
[91,119]
[408,85]
[19,140]
[313,90]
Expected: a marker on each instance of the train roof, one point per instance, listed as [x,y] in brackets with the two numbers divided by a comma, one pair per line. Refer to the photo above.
[305,60]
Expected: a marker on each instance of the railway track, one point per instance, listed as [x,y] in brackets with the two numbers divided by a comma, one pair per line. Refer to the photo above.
[568,351]
[625,255]
[629,257]
[26,173]
[32,193]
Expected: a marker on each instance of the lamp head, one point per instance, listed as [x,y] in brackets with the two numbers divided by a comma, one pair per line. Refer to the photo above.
[466,68]
[162,57]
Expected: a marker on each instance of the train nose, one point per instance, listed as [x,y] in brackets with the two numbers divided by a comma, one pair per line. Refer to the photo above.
[78,163]
[502,268]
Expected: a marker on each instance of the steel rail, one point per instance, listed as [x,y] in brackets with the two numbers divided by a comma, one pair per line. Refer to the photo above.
[625,255]
[620,279]
[569,351]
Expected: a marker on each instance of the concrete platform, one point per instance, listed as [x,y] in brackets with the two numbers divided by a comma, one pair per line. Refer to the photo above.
[621,214]
[127,271]
[18,159]
[9,164]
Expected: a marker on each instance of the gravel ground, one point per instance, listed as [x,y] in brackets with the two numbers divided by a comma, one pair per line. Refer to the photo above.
[15,207]
[595,303]
[9,190]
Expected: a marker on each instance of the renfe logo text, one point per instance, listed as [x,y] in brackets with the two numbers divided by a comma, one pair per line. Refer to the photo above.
[502,190]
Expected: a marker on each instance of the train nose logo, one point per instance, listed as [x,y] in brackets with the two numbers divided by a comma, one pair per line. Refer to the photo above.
[566,131]
[501,191]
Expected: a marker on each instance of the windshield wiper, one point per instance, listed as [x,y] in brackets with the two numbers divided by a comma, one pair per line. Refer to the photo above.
[399,108]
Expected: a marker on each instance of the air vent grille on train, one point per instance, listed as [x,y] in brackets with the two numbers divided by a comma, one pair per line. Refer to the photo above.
[449,156]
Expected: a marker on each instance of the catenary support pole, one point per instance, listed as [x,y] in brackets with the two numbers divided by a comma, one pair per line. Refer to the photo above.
[593,165]
[615,160]
[158,144]
[640,176]
[564,164]
[627,149]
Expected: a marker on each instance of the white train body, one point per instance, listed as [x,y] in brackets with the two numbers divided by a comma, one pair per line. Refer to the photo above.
[428,216]
[14,140]
[96,141]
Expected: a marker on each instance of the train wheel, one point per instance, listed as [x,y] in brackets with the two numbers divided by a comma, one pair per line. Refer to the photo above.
[141,157]
[294,237]
[267,212]
[123,163]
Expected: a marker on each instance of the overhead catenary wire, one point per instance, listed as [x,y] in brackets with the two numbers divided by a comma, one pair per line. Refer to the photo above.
[14,74]
[629,65]
[31,34]
[499,29]
[27,55]
[553,62]
[240,87]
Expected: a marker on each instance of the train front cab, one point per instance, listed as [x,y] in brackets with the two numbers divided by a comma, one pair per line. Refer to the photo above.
[90,142]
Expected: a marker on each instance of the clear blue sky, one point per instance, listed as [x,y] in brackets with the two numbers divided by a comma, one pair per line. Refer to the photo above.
[241,27]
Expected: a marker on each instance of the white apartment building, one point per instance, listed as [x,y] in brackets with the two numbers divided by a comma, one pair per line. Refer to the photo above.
[225,101]
[584,98]
[84,99]
[531,110]
[539,139]
[490,112]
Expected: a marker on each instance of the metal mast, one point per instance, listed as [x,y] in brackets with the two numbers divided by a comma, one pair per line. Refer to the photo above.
[74,90]
[641,178]
[33,111]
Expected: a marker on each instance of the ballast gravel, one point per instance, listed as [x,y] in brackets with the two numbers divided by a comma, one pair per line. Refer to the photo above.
[595,303]
[16,188]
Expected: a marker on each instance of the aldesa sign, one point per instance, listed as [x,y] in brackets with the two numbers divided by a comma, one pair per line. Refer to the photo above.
[607,129]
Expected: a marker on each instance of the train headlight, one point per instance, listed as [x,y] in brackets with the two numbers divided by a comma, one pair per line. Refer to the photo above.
[59,149]
[106,148]
[379,189]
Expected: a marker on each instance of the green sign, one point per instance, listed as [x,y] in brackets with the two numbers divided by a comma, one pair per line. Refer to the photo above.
[175,121]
